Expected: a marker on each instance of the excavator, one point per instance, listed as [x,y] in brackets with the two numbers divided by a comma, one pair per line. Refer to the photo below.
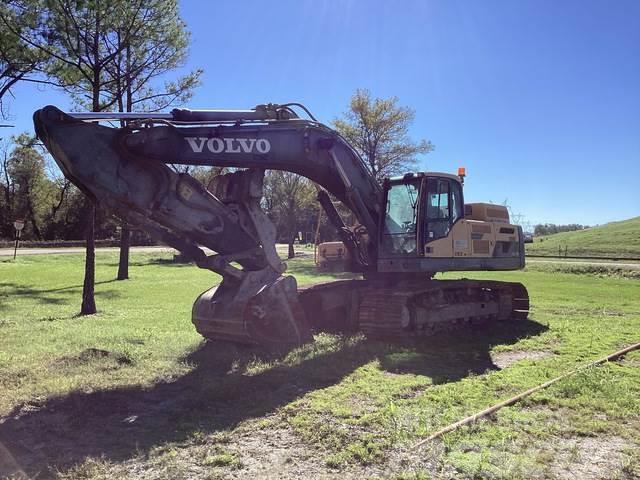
[408,228]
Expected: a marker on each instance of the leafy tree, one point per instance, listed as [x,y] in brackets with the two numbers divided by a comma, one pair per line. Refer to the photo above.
[61,189]
[26,187]
[289,201]
[76,37]
[103,54]
[19,61]
[379,130]
[552,228]
[159,47]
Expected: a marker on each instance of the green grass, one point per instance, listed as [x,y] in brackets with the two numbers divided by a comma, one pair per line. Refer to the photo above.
[144,320]
[134,391]
[615,239]
[599,270]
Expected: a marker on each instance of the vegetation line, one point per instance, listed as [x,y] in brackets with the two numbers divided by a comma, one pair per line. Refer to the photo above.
[637,259]
[512,400]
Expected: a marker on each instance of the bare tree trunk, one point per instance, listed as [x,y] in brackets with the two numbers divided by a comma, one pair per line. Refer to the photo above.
[88,289]
[88,298]
[123,264]
[125,104]
[292,252]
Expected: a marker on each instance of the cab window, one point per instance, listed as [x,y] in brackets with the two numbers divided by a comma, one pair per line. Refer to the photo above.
[400,225]
[438,200]
[444,207]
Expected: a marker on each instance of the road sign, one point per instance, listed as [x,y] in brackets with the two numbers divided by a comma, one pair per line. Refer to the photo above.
[18,224]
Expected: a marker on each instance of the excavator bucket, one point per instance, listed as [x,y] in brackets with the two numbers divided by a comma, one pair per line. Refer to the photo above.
[265,314]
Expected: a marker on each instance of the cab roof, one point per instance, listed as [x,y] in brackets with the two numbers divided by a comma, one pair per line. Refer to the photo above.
[410,175]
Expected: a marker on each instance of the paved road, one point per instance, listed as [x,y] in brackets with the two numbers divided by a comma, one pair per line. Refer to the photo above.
[6,252]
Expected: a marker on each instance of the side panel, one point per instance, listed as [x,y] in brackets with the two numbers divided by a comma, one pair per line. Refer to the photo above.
[444,247]
[471,245]
[473,238]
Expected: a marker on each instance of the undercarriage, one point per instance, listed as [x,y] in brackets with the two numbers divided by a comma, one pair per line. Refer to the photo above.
[376,308]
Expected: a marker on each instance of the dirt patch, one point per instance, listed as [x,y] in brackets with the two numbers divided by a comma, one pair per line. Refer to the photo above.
[277,452]
[504,359]
[89,355]
[251,452]
[590,458]
[13,378]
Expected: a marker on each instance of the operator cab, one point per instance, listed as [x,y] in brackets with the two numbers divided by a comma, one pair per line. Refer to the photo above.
[420,208]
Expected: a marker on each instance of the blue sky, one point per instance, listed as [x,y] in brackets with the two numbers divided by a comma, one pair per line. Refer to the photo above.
[540,100]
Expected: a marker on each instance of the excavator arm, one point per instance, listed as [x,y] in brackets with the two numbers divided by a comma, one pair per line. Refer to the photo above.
[127,170]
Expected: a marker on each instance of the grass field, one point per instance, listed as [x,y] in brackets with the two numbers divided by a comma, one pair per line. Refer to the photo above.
[133,392]
[615,239]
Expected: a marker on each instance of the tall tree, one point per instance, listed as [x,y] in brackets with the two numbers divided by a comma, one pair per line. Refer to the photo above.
[378,128]
[85,43]
[76,38]
[289,199]
[160,47]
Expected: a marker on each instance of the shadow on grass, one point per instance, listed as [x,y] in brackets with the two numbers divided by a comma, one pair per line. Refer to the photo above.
[453,356]
[52,296]
[141,262]
[296,265]
[217,395]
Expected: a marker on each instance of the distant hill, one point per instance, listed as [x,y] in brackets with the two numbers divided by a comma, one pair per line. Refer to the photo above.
[615,239]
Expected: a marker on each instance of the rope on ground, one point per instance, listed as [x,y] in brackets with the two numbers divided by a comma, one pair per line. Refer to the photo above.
[517,398]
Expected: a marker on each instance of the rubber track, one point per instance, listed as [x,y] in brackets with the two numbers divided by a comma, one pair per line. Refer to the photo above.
[381,309]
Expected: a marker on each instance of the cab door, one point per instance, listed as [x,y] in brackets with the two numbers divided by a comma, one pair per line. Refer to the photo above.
[399,232]
[442,209]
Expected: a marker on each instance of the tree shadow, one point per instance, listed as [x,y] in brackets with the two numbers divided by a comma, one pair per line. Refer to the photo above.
[219,393]
[51,296]
[141,262]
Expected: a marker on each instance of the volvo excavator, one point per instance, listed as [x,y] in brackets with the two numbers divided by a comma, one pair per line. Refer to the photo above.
[408,228]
